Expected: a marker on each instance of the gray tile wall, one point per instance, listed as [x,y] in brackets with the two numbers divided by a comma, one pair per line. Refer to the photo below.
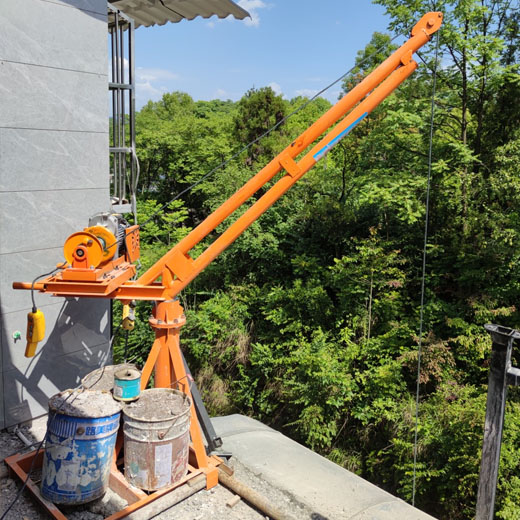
[53,176]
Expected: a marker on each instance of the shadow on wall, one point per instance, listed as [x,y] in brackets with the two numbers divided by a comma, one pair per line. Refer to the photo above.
[92,7]
[76,345]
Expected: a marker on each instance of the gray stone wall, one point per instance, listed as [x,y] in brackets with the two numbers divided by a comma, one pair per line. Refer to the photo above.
[53,176]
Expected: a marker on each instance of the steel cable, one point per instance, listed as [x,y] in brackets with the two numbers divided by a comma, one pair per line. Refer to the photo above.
[421,317]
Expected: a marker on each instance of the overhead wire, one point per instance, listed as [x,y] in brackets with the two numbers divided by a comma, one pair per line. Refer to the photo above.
[246,147]
[423,277]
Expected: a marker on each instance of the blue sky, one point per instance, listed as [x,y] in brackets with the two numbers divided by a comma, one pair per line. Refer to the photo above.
[295,46]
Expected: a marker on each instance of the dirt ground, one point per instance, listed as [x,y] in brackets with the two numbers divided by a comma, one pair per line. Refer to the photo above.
[203,504]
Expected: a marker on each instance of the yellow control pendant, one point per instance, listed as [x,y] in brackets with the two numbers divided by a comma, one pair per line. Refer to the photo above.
[35,331]
[129,316]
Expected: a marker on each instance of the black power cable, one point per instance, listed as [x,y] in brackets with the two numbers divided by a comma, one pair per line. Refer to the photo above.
[40,444]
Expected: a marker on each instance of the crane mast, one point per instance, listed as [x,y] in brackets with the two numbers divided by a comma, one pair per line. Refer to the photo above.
[100,259]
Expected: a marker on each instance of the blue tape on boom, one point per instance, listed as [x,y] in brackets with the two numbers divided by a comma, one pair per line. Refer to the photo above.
[318,155]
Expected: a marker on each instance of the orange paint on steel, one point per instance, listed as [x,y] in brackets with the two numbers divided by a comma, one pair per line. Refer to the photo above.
[421,33]
[177,269]
[281,187]
[165,356]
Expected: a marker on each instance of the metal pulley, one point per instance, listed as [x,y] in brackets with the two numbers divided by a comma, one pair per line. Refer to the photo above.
[83,248]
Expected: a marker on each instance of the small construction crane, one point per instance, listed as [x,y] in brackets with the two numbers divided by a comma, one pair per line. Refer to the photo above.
[100,259]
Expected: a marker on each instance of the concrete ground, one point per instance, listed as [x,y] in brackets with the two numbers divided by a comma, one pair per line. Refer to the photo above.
[295,480]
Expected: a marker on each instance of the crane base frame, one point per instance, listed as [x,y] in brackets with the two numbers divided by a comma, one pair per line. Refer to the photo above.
[19,466]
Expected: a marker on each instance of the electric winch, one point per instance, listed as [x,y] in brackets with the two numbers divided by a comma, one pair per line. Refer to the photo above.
[100,242]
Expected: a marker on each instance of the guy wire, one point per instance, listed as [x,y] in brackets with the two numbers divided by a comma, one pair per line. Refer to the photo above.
[266,133]
[421,318]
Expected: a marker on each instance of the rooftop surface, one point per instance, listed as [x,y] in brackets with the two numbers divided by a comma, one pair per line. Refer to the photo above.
[147,13]
[297,481]
[327,489]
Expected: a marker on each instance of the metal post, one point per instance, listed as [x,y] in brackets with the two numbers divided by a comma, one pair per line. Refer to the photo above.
[503,339]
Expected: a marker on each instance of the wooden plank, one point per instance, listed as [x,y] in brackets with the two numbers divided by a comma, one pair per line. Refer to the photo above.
[118,483]
[130,509]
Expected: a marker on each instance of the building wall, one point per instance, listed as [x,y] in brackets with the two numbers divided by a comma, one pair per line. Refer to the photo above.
[53,176]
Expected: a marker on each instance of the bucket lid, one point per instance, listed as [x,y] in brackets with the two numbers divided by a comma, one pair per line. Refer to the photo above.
[158,404]
[127,374]
[91,404]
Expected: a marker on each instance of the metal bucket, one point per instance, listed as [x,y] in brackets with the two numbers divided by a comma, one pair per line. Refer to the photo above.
[79,448]
[127,384]
[157,436]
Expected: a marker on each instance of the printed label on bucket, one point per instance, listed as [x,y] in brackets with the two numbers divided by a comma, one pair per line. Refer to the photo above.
[163,464]
[83,429]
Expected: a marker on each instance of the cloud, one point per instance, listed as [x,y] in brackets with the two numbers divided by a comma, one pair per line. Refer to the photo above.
[306,92]
[222,94]
[146,91]
[252,7]
[152,83]
[331,95]
[276,88]
[145,74]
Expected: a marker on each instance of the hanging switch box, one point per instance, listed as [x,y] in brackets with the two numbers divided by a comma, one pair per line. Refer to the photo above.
[35,331]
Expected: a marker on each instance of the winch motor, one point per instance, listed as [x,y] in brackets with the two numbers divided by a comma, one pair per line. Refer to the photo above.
[102,241]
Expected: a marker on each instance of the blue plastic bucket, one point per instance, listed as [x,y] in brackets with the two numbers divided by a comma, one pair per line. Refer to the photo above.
[79,448]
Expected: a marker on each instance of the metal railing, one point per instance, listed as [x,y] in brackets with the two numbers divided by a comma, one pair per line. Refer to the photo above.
[123,160]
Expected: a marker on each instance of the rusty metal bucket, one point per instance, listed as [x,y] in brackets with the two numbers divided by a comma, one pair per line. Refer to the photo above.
[157,436]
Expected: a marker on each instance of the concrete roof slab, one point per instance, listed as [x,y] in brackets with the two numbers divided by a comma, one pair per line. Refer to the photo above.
[326,488]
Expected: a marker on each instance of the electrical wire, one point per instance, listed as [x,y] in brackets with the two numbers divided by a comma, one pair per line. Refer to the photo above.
[133,187]
[41,276]
[40,444]
[38,449]
[260,137]
[421,317]
[189,188]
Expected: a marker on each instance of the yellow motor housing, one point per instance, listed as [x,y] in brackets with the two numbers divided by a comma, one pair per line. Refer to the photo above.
[35,331]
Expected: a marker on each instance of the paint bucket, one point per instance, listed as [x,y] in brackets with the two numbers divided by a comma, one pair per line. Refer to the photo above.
[103,378]
[81,435]
[127,384]
[157,437]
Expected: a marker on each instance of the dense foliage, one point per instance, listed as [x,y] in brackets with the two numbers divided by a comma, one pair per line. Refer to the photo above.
[310,321]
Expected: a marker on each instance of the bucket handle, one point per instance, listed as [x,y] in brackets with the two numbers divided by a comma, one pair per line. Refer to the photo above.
[161,435]
[190,382]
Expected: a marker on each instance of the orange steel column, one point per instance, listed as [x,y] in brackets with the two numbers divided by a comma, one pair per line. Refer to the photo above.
[162,324]
[181,380]
[421,33]
[170,371]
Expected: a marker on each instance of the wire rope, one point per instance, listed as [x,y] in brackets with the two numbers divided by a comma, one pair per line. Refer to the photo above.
[423,277]
[265,134]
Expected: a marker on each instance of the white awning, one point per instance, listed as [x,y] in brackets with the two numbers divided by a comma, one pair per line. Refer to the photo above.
[151,12]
